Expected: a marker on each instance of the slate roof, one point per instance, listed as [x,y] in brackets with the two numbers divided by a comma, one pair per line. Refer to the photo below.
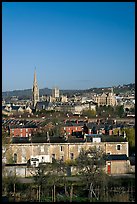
[75,140]
[116,157]
[73,124]
[106,138]
[17,107]
[112,138]
[132,160]
[18,140]
[23,126]
[43,105]
[3,107]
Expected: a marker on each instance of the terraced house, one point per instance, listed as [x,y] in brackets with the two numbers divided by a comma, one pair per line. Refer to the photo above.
[115,147]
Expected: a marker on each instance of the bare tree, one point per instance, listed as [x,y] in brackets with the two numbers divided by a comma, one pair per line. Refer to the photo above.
[90,164]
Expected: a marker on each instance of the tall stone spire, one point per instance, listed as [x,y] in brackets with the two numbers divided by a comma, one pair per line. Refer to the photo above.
[35,80]
[35,90]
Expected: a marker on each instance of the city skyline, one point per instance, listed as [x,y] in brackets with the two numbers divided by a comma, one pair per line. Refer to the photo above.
[71,45]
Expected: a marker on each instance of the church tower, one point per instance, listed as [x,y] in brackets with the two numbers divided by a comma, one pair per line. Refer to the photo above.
[35,90]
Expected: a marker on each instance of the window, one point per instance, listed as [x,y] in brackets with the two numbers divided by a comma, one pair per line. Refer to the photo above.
[23,159]
[26,134]
[42,148]
[12,130]
[62,158]
[118,147]
[79,148]
[61,148]
[53,157]
[26,130]
[43,106]
[20,130]
[71,156]
[21,134]
[15,158]
[34,163]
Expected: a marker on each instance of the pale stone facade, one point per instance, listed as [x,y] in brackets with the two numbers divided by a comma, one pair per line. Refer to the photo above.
[55,92]
[64,151]
[84,106]
[106,99]
[63,99]
[119,167]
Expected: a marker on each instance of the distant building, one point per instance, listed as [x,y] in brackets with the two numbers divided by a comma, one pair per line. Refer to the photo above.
[35,90]
[44,105]
[55,92]
[106,99]
[63,99]
[22,131]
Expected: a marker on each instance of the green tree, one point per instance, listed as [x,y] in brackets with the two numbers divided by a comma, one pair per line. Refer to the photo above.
[119,111]
[130,135]
[89,113]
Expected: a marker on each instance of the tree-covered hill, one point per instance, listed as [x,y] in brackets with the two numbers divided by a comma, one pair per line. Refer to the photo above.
[27,93]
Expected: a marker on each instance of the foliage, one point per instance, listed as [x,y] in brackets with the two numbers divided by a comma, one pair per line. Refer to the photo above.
[5,135]
[130,136]
[50,174]
[107,111]
[89,113]
[8,183]
[130,132]
[119,111]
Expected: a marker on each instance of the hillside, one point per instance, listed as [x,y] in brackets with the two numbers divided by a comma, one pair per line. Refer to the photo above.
[27,93]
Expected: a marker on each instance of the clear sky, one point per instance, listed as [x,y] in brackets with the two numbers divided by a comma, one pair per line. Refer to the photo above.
[72,45]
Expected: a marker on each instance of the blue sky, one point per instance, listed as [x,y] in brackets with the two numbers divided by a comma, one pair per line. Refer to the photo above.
[72,45]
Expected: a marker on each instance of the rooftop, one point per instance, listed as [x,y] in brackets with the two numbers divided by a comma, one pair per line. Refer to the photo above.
[72,139]
[116,157]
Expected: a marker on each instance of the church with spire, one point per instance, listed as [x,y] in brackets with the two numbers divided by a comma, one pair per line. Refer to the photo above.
[35,90]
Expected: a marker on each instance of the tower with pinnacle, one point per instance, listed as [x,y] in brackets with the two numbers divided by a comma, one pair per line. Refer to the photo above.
[35,90]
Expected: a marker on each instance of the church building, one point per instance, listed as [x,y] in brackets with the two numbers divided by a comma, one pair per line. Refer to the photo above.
[35,90]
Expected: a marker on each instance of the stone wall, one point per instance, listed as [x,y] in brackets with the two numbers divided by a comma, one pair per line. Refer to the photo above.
[26,151]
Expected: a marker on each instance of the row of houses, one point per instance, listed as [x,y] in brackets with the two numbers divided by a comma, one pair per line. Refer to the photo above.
[66,129]
[58,148]
[75,108]
[11,108]
[25,128]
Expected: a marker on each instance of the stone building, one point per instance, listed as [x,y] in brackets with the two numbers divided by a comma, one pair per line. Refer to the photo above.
[35,90]
[55,92]
[117,164]
[106,99]
[62,150]
[68,149]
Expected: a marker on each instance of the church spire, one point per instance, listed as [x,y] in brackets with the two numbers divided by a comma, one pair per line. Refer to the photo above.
[35,79]
[35,90]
